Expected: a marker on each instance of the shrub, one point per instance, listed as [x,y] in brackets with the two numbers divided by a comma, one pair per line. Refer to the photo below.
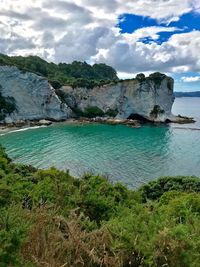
[48,218]
[93,111]
[112,112]
[56,241]
[78,112]
[55,84]
[156,111]
[155,189]
[14,224]
[157,78]
[141,77]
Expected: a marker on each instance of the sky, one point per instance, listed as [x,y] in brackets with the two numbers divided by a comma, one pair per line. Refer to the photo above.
[133,36]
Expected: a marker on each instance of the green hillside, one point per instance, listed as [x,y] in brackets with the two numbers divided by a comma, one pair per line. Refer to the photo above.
[74,74]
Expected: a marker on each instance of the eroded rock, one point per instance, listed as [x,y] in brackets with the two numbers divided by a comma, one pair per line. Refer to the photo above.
[33,97]
[149,97]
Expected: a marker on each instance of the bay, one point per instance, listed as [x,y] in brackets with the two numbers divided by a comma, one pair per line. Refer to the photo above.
[128,155]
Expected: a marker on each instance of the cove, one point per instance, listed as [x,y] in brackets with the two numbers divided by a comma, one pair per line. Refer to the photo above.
[128,155]
[132,156]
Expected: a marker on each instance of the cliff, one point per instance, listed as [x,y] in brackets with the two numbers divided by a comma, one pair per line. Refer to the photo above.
[27,96]
[147,98]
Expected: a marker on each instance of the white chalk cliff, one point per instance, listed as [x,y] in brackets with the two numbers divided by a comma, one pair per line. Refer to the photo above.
[32,95]
[149,97]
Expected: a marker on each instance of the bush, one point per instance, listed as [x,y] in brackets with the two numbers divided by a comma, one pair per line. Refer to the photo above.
[141,77]
[156,111]
[155,189]
[157,78]
[55,84]
[93,111]
[14,224]
[78,112]
[112,112]
[48,218]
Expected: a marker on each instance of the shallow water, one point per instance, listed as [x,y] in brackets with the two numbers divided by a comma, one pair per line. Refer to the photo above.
[129,155]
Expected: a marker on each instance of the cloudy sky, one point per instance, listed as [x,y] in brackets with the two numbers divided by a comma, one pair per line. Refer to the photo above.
[130,35]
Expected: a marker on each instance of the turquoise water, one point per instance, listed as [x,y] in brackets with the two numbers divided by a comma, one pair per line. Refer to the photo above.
[132,156]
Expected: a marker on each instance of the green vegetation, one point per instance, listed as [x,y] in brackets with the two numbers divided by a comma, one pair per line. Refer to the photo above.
[48,218]
[92,112]
[155,189]
[112,112]
[156,111]
[157,77]
[7,105]
[89,112]
[76,74]
[141,77]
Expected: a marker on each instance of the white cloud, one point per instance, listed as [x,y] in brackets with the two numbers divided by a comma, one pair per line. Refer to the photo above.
[164,10]
[67,30]
[180,51]
[190,79]
[152,32]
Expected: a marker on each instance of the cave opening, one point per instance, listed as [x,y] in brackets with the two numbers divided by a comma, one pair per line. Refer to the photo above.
[138,117]
[168,121]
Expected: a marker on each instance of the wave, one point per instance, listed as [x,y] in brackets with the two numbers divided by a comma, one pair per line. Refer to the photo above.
[23,129]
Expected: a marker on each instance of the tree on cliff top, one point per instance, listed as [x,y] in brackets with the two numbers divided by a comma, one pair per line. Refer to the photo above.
[63,73]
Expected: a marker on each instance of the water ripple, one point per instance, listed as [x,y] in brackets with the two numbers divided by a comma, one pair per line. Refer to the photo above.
[132,156]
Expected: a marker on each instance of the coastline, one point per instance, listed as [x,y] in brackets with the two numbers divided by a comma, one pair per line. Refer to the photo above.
[22,125]
[6,128]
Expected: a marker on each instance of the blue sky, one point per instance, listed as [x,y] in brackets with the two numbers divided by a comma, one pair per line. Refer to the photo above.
[130,23]
[132,36]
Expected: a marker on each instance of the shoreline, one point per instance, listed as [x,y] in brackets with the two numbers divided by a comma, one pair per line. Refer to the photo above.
[45,123]
[6,128]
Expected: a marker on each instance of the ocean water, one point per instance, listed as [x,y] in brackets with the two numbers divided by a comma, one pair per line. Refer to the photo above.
[128,155]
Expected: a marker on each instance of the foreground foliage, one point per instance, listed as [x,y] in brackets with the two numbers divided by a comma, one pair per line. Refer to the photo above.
[48,218]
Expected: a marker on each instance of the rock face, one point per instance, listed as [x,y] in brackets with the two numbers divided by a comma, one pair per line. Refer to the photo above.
[33,97]
[149,98]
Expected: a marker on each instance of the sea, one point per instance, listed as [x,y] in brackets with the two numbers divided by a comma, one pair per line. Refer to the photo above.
[132,156]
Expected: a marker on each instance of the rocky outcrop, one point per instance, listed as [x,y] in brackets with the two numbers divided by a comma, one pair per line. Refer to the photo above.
[27,96]
[148,98]
[31,96]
